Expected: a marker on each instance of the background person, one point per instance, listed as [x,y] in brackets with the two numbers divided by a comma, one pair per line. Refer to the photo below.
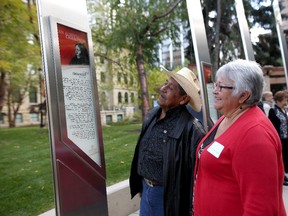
[278,117]
[239,168]
[163,163]
[267,99]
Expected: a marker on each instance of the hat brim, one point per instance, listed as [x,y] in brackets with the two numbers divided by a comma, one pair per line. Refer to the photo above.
[190,88]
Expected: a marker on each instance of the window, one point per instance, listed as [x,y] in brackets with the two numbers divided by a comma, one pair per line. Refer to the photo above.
[16,96]
[119,77]
[125,79]
[119,117]
[132,98]
[19,118]
[34,117]
[131,80]
[102,60]
[2,118]
[103,77]
[33,95]
[126,97]
[103,100]
[119,97]
[108,119]
[103,97]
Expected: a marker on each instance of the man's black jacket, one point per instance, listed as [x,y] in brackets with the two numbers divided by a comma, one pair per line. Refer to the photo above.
[178,163]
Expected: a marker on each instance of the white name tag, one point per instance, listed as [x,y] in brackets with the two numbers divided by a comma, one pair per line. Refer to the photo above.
[215,149]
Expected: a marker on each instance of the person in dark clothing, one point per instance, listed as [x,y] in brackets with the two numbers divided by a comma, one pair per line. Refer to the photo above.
[278,117]
[163,163]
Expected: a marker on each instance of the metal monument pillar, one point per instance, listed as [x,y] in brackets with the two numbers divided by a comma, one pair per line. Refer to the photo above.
[74,116]
[244,29]
[281,37]
[203,62]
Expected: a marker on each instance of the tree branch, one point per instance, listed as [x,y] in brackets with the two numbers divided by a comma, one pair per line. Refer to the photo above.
[167,12]
[154,18]
[109,59]
[157,32]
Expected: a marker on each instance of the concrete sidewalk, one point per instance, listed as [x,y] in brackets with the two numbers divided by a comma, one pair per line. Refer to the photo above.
[285,198]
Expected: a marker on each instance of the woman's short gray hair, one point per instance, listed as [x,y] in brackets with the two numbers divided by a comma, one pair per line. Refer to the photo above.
[246,76]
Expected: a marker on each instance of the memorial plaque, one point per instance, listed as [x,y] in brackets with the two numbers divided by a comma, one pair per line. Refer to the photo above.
[77,91]
[209,84]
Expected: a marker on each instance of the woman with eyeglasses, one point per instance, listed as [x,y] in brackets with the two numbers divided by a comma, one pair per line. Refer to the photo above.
[239,168]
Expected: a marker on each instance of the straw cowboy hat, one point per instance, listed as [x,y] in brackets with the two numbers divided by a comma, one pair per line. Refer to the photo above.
[189,82]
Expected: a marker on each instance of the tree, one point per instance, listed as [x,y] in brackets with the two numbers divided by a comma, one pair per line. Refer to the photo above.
[139,27]
[223,34]
[267,48]
[18,53]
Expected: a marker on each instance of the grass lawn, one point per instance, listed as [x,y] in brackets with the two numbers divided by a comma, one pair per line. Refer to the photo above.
[26,186]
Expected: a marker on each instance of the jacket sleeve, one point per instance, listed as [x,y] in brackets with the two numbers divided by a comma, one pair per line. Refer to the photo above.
[195,135]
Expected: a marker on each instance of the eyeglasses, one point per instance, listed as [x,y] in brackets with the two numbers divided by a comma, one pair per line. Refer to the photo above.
[219,87]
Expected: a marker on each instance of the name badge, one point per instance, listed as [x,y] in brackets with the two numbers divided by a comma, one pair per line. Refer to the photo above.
[215,149]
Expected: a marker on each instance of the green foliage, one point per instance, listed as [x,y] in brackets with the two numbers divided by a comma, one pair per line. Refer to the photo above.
[26,185]
[156,78]
[19,52]
[126,25]
[18,48]
[267,49]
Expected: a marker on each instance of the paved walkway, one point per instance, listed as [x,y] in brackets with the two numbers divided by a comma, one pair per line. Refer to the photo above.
[285,197]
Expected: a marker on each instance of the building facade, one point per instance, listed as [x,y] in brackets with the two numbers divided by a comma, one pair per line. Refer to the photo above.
[117,97]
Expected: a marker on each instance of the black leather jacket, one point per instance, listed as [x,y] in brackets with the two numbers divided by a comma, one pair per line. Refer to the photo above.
[178,163]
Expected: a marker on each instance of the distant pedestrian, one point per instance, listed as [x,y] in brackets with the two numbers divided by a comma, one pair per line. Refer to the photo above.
[267,99]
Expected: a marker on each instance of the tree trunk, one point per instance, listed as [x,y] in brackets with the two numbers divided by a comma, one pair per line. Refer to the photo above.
[11,119]
[3,87]
[143,81]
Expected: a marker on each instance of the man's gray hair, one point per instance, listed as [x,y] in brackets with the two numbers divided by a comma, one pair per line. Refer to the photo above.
[246,76]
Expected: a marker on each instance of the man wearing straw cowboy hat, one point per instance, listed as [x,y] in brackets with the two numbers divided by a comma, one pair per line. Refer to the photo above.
[163,162]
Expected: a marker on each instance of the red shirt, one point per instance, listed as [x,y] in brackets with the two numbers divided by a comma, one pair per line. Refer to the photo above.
[241,172]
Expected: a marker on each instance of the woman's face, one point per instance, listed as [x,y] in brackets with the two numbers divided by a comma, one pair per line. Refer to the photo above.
[224,101]
[282,103]
[77,51]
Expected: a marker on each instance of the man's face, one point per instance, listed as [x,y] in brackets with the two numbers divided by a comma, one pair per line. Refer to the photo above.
[170,96]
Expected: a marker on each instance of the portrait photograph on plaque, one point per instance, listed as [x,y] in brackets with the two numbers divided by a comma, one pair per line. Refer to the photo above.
[78,91]
[209,80]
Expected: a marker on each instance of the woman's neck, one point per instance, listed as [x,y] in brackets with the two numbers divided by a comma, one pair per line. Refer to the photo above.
[229,119]
[235,114]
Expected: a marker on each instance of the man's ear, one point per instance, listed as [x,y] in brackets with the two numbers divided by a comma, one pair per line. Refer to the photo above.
[185,100]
